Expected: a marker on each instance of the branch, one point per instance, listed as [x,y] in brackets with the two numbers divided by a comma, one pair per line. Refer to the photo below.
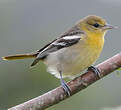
[55,96]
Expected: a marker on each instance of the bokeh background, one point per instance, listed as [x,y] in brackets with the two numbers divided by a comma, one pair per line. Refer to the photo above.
[27,25]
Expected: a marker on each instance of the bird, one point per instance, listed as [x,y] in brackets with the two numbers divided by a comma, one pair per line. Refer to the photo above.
[72,52]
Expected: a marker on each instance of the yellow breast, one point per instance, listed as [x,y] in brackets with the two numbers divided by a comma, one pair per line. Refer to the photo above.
[95,41]
[89,51]
[94,44]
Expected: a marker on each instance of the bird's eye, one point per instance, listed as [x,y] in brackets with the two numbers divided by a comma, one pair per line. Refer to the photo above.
[96,25]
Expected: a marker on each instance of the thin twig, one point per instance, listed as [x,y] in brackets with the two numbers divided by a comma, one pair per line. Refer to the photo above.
[55,96]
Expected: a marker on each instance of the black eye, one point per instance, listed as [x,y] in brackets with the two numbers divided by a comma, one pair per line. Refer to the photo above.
[96,25]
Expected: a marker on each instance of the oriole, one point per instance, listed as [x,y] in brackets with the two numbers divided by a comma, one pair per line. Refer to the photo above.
[72,52]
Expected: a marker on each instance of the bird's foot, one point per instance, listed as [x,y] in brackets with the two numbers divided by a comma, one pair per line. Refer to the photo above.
[66,88]
[95,70]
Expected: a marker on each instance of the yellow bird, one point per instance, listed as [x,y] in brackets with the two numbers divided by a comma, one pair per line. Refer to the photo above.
[74,51]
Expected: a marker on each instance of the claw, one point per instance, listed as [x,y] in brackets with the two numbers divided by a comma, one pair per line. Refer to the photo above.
[66,87]
[95,70]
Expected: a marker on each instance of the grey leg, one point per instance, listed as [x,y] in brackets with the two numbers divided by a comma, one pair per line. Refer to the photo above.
[65,86]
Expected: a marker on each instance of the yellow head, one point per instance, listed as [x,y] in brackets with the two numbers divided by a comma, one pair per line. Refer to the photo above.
[94,25]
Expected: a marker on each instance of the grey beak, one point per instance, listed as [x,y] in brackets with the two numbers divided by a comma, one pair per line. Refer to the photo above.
[108,26]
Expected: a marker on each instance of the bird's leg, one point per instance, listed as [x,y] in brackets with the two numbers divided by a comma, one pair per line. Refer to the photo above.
[95,70]
[64,85]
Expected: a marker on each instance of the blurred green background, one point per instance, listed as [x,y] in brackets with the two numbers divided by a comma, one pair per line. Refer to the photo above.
[27,25]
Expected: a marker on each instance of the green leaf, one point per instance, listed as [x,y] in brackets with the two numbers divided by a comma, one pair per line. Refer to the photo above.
[119,69]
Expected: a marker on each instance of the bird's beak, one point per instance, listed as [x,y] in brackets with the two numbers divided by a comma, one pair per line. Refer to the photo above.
[108,26]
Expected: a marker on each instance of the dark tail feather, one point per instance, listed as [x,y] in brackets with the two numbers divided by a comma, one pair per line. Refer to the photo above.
[35,61]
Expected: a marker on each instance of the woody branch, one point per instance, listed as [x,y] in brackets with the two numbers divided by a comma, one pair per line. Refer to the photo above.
[55,96]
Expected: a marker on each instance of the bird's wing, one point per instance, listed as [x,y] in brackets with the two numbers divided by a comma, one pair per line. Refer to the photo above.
[67,39]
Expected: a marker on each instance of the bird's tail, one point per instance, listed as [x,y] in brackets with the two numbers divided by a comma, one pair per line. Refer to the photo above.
[20,56]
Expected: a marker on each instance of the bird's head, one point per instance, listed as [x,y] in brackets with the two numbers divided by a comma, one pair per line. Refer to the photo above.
[94,25]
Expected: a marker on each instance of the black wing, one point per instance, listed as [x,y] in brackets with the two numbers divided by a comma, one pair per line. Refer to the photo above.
[69,38]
